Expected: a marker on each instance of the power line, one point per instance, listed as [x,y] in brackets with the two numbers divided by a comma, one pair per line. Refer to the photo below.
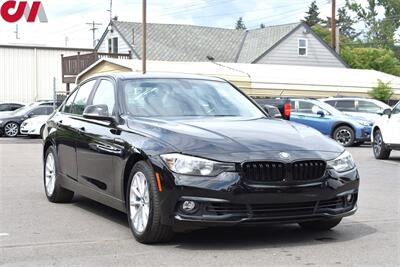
[94,29]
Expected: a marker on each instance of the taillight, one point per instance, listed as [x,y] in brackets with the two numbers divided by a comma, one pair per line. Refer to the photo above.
[286,110]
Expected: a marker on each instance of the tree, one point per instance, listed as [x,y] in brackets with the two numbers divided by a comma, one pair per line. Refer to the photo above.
[379,59]
[240,24]
[383,91]
[380,30]
[262,26]
[345,24]
[312,17]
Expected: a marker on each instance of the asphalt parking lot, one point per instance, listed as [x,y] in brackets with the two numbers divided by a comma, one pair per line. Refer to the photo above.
[35,232]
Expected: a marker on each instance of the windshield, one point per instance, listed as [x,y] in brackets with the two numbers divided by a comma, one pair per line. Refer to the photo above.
[186,98]
[22,111]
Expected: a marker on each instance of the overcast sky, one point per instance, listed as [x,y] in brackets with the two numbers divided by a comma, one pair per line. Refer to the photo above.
[67,19]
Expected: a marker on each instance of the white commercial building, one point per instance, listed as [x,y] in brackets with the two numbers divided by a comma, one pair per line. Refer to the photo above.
[27,72]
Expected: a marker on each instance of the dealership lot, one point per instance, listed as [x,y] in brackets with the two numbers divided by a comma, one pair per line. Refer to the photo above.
[35,232]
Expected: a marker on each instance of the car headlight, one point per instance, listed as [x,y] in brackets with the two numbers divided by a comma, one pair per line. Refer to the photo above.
[183,164]
[1,122]
[342,163]
[365,123]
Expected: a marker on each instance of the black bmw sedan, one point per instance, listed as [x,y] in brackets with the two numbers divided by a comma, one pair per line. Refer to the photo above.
[181,152]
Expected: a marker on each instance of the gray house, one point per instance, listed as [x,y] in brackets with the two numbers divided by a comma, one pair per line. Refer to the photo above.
[289,44]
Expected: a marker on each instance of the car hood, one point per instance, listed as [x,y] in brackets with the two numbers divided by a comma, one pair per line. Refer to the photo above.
[237,140]
[38,119]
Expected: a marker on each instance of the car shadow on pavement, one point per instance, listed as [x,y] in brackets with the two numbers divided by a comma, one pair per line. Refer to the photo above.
[274,236]
[101,210]
[230,238]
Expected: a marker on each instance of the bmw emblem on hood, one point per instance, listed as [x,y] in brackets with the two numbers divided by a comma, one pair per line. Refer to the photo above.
[284,155]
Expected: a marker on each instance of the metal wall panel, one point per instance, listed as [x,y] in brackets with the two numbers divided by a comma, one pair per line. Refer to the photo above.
[26,73]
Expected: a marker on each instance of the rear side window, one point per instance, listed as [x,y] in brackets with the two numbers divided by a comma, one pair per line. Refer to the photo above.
[105,95]
[68,104]
[368,107]
[4,107]
[82,97]
[346,105]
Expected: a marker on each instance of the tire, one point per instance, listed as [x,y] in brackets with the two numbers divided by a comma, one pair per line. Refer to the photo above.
[11,129]
[41,131]
[148,199]
[320,225]
[344,135]
[381,151]
[54,192]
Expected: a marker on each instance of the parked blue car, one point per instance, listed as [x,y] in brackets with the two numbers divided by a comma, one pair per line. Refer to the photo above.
[345,129]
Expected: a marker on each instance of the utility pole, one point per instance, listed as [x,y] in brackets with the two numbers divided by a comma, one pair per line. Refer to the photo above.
[110,10]
[144,37]
[94,29]
[333,26]
[16,32]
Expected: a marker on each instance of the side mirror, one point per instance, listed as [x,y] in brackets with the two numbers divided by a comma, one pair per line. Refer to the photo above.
[321,113]
[387,111]
[98,112]
[272,111]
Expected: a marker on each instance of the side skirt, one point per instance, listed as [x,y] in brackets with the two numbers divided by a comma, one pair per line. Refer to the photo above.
[92,194]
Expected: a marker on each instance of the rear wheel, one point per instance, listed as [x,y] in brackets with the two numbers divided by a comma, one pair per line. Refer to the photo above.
[143,206]
[320,225]
[11,129]
[344,135]
[380,149]
[54,192]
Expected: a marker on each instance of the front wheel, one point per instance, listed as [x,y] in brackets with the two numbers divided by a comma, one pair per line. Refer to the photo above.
[344,135]
[144,208]
[11,129]
[320,225]
[380,149]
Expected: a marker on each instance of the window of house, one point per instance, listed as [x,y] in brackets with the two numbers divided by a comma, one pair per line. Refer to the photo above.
[303,47]
[109,46]
[115,45]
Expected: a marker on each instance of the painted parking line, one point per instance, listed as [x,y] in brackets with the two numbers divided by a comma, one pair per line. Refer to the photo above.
[4,234]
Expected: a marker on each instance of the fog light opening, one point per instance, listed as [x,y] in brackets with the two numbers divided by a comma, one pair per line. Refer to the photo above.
[349,198]
[189,206]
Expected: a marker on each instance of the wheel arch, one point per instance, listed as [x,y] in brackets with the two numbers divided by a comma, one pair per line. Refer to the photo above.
[134,158]
[373,131]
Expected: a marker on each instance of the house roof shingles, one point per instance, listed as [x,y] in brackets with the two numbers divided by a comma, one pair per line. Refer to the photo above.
[175,42]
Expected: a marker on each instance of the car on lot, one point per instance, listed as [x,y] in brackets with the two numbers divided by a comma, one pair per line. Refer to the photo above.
[368,109]
[346,130]
[386,133]
[10,122]
[10,106]
[34,126]
[179,152]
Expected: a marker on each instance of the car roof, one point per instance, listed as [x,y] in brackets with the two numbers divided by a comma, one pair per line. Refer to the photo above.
[156,75]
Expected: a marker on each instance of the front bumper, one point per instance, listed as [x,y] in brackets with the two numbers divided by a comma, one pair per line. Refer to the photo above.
[228,200]
[363,134]
[28,130]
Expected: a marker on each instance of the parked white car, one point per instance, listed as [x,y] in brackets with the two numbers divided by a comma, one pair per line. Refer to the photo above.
[34,126]
[386,133]
[358,107]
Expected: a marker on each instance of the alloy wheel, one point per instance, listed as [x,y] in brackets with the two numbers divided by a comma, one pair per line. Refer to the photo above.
[377,144]
[11,129]
[50,174]
[343,136]
[139,204]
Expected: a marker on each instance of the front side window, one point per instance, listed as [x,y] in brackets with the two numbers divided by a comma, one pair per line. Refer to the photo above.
[346,105]
[105,95]
[368,107]
[82,97]
[306,107]
[396,109]
[68,104]
[186,98]
[303,45]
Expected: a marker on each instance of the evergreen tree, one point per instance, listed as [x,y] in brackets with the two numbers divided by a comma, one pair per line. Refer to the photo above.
[240,24]
[312,17]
